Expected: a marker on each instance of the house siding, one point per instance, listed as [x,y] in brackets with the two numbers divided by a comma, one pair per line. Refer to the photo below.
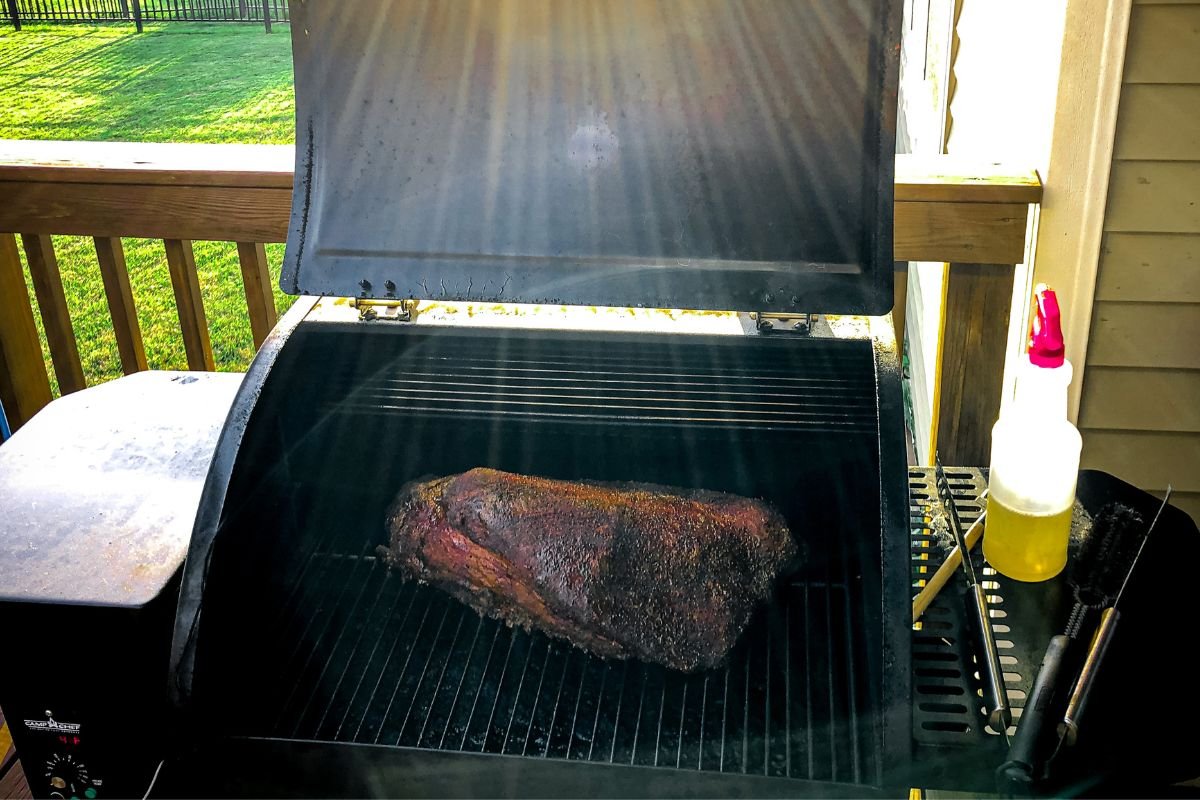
[1140,405]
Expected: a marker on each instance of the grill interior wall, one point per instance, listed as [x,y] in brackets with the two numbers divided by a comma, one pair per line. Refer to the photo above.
[305,634]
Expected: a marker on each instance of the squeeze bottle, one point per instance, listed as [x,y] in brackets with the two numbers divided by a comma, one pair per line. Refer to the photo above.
[1035,459]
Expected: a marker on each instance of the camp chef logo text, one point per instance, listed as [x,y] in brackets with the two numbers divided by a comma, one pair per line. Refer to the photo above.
[51,725]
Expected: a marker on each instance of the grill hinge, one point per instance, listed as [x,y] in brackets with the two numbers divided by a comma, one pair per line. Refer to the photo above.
[386,310]
[772,323]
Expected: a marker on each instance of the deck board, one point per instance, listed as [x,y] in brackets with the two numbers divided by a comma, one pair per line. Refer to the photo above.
[13,785]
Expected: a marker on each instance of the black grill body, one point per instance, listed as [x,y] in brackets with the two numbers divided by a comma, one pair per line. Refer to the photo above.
[723,156]
[291,630]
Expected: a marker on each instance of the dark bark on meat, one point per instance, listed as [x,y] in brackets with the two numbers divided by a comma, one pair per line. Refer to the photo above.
[622,570]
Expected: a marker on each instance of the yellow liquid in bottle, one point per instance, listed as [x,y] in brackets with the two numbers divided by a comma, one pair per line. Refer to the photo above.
[1025,547]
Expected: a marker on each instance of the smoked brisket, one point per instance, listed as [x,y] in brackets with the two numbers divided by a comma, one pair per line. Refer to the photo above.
[622,570]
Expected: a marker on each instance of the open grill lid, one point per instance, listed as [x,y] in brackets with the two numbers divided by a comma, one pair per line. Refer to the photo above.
[711,154]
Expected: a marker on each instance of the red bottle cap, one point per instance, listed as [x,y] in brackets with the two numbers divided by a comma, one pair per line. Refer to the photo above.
[1046,346]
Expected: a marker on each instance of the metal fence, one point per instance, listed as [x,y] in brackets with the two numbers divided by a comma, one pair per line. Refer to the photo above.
[263,12]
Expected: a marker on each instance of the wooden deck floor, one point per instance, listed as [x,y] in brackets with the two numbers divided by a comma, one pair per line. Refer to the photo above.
[13,785]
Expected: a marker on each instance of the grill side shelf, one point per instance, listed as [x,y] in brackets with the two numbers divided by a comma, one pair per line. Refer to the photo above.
[953,745]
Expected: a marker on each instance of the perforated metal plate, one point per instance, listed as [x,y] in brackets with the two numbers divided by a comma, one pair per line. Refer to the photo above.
[946,687]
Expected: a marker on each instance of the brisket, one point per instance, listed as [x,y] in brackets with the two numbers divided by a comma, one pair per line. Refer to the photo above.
[622,570]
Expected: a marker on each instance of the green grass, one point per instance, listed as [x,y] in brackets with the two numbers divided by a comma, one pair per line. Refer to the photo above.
[173,83]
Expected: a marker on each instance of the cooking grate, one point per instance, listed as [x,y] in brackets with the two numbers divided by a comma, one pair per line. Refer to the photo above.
[790,389]
[393,662]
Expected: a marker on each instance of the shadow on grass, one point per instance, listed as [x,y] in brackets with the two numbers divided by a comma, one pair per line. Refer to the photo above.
[12,57]
[172,83]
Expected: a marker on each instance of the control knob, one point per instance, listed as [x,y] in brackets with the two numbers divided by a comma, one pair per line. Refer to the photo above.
[68,777]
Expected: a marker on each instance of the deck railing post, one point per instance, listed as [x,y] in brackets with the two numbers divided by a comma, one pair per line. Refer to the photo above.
[24,384]
[900,304]
[14,14]
[193,324]
[260,301]
[56,319]
[115,275]
[974,343]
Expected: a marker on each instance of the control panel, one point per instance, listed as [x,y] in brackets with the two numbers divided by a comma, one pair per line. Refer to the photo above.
[55,754]
[96,729]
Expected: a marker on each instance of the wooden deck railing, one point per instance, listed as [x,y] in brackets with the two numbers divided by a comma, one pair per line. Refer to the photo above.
[972,216]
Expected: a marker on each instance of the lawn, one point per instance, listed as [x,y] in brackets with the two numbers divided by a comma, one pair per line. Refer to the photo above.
[173,83]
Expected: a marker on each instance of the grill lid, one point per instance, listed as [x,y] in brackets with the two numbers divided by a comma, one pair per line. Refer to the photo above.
[710,154]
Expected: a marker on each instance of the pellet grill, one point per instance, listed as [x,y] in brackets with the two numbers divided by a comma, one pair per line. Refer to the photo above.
[703,157]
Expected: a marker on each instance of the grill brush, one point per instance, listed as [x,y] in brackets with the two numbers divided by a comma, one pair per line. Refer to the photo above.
[1095,576]
[1068,729]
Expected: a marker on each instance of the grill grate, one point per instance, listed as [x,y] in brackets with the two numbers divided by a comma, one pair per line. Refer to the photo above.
[397,663]
[623,388]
